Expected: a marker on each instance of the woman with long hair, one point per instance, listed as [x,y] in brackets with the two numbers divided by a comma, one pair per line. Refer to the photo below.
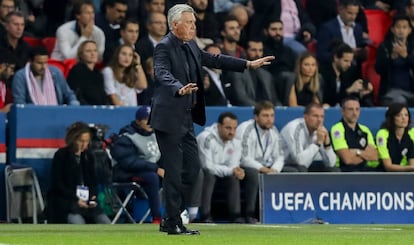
[124,77]
[395,139]
[72,198]
[85,79]
[306,84]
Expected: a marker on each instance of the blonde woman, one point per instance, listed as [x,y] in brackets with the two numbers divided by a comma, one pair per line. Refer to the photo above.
[306,82]
[124,77]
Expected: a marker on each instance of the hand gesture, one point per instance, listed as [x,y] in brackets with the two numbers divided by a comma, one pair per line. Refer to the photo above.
[188,89]
[321,134]
[86,30]
[238,173]
[254,64]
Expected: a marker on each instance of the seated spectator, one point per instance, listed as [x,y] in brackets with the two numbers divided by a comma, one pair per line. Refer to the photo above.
[13,41]
[220,155]
[230,33]
[253,84]
[306,83]
[41,84]
[148,8]
[7,64]
[124,77]
[71,34]
[215,89]
[84,79]
[340,80]
[395,139]
[72,196]
[306,142]
[145,97]
[206,21]
[6,7]
[35,18]
[395,64]
[353,142]
[136,154]
[262,150]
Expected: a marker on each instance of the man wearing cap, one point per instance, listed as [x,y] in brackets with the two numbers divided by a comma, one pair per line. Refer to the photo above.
[136,154]
[7,65]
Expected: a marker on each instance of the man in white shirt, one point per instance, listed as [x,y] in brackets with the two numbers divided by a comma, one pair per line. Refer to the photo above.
[71,34]
[220,155]
[306,142]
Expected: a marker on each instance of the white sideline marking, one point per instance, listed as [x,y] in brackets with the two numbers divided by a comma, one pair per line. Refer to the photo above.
[372,229]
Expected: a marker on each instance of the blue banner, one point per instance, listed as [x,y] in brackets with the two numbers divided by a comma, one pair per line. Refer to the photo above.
[337,198]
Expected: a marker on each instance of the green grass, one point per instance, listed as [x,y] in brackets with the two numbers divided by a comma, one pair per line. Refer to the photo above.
[210,234]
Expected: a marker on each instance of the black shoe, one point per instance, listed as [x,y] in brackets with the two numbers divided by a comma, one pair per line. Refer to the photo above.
[163,227]
[181,230]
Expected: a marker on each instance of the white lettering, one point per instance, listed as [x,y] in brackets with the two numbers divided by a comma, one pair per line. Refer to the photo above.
[371,199]
[386,201]
[322,205]
[358,201]
[346,203]
[309,202]
[410,201]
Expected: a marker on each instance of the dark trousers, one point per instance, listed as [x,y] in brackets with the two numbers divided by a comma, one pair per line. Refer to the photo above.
[179,154]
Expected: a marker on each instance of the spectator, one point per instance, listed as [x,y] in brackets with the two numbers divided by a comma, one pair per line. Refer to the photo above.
[409,10]
[206,22]
[220,155]
[109,20]
[129,36]
[7,65]
[306,142]
[343,28]
[262,150]
[136,153]
[35,18]
[157,28]
[395,64]
[353,142]
[230,33]
[85,79]
[240,12]
[40,84]
[13,39]
[6,7]
[72,197]
[395,139]
[145,97]
[216,90]
[298,29]
[306,83]
[340,81]
[252,85]
[124,76]
[71,34]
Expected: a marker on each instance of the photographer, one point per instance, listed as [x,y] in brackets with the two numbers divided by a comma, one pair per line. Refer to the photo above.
[72,198]
[341,81]
[136,153]
[124,77]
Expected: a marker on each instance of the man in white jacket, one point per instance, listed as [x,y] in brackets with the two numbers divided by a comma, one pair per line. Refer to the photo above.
[220,155]
[262,150]
[307,143]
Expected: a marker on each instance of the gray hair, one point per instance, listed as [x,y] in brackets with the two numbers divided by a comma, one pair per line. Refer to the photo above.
[174,13]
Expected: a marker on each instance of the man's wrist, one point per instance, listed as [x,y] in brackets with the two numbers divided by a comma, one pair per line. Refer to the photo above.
[248,64]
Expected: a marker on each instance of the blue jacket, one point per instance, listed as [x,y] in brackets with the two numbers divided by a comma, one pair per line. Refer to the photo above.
[133,157]
[64,94]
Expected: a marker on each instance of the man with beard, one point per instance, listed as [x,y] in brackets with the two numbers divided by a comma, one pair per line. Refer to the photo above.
[40,84]
[206,23]
[7,65]
[252,85]
[230,33]
[262,150]
[340,81]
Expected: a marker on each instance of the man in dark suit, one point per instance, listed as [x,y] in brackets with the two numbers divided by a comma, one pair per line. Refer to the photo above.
[177,103]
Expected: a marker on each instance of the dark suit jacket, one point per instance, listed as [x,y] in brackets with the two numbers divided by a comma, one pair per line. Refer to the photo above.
[145,48]
[244,90]
[213,95]
[168,108]
[329,33]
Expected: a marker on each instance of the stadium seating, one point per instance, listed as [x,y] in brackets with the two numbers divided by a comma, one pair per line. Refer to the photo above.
[378,24]
[33,41]
[59,64]
[49,43]
[369,73]
[69,63]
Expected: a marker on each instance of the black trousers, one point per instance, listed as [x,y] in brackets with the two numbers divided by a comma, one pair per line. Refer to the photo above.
[179,156]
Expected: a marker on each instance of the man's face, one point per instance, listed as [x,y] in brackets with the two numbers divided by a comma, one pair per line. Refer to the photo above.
[275,31]
[199,6]
[87,15]
[130,33]
[351,111]
[158,25]
[409,10]
[254,50]
[401,29]
[157,6]
[38,65]
[231,31]
[227,130]
[348,13]
[314,119]
[343,64]
[15,27]
[6,7]
[6,71]
[265,119]
[116,13]
[185,29]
